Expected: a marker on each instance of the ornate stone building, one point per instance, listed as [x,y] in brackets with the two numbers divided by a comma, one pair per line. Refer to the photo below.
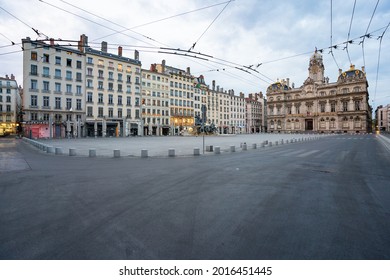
[320,106]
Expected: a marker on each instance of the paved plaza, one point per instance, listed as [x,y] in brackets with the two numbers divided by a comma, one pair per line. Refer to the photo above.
[158,146]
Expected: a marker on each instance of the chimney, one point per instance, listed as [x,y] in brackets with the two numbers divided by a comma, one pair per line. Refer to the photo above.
[163,66]
[12,77]
[153,67]
[364,69]
[6,76]
[119,51]
[136,55]
[104,46]
[288,82]
[188,70]
[250,96]
[242,95]
[217,88]
[83,42]
[213,83]
[51,42]
[340,71]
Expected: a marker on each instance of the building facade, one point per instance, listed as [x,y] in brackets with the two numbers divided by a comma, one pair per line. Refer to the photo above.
[10,105]
[320,106]
[113,93]
[254,113]
[155,102]
[53,101]
[181,85]
[382,117]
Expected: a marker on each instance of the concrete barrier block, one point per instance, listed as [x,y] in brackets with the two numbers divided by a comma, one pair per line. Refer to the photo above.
[244,147]
[50,150]
[92,152]
[58,151]
[232,149]
[217,150]
[171,152]
[209,148]
[197,151]
[117,153]
[72,152]
[276,143]
[254,146]
[144,153]
[270,144]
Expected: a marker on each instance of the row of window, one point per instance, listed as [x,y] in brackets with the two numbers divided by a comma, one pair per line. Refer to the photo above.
[111,65]
[111,99]
[57,73]
[111,87]
[57,59]
[57,103]
[309,108]
[155,78]
[8,108]
[8,90]
[57,87]
[111,113]
[7,98]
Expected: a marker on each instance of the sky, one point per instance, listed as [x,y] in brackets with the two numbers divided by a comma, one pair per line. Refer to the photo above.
[244,45]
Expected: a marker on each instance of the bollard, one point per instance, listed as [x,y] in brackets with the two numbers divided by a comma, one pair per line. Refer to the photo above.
[282,142]
[197,151]
[217,150]
[171,152]
[58,150]
[117,153]
[50,150]
[232,149]
[266,142]
[287,141]
[44,148]
[263,144]
[270,144]
[72,152]
[144,153]
[92,152]
[209,148]
[254,146]
[244,147]
[276,143]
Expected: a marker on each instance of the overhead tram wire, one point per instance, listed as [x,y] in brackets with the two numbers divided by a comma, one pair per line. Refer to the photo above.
[193,45]
[379,58]
[162,19]
[40,34]
[110,21]
[92,21]
[349,32]
[367,35]
[331,34]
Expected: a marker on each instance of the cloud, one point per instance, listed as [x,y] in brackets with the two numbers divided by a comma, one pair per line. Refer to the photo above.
[247,32]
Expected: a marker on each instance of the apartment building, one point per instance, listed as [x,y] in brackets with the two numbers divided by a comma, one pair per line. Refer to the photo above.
[10,105]
[181,84]
[113,93]
[254,113]
[155,102]
[237,113]
[212,105]
[54,101]
[382,116]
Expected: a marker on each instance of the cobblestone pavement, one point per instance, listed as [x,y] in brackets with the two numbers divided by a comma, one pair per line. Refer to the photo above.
[158,146]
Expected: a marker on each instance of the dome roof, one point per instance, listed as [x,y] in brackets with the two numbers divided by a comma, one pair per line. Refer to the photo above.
[278,86]
[352,73]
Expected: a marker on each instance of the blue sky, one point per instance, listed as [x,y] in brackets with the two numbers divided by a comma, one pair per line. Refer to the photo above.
[280,35]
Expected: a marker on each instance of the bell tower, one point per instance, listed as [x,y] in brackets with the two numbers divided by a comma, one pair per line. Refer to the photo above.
[316,68]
